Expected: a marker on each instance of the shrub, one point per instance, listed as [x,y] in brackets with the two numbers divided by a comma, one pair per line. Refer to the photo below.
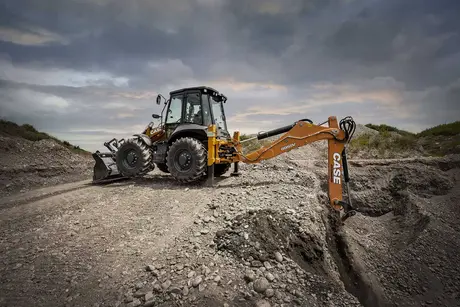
[387,129]
[383,142]
[451,129]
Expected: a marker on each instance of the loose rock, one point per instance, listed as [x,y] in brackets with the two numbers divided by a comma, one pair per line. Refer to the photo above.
[135,303]
[166,284]
[269,292]
[278,256]
[150,268]
[261,285]
[185,291]
[191,274]
[269,276]
[262,303]
[148,296]
[197,281]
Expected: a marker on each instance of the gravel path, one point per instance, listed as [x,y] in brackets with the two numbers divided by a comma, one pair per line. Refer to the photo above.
[266,238]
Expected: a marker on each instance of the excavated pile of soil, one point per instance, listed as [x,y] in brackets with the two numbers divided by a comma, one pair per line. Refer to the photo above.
[27,165]
[271,232]
[263,237]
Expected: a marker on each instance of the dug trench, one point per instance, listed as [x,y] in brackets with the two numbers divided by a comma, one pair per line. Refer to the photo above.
[384,256]
[272,232]
[407,221]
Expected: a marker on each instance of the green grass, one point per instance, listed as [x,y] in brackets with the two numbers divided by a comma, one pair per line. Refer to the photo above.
[386,129]
[451,129]
[29,132]
[436,141]
[383,142]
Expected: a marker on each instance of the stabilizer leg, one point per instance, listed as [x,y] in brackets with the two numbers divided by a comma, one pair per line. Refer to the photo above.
[235,170]
[210,179]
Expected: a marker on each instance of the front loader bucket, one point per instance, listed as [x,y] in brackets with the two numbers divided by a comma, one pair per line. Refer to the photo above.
[105,168]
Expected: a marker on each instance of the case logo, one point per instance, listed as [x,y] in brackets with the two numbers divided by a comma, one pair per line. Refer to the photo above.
[336,173]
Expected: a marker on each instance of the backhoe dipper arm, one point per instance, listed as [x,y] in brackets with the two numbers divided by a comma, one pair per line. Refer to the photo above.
[302,133]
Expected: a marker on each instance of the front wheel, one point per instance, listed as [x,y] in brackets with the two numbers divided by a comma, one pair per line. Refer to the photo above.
[187,160]
[134,158]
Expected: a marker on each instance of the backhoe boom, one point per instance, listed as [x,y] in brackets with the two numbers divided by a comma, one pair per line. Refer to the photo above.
[299,134]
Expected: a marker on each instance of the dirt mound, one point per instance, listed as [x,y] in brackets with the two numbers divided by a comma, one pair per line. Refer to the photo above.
[258,236]
[31,164]
[278,247]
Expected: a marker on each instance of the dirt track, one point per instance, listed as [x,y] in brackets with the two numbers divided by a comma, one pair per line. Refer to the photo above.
[90,245]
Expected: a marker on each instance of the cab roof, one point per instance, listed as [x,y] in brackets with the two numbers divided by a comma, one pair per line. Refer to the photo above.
[196,88]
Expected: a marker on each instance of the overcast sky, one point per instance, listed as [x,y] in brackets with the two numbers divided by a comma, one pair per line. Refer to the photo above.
[89,70]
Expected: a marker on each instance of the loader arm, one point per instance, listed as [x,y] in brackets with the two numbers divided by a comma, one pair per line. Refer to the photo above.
[299,134]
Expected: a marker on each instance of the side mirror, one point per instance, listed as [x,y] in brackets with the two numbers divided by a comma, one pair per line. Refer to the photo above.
[156,116]
[158,99]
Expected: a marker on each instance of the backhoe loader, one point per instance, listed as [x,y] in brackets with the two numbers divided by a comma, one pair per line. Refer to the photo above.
[192,144]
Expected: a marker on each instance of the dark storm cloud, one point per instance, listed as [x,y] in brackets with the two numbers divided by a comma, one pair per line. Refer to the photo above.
[408,40]
[115,36]
[96,65]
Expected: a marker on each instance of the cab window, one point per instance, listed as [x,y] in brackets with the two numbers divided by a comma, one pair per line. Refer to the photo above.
[207,119]
[174,111]
[193,112]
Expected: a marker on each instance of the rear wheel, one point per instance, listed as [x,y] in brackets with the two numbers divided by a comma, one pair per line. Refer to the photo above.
[134,158]
[163,167]
[187,159]
[220,169]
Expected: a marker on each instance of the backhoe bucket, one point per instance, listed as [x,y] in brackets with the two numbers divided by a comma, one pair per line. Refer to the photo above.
[105,168]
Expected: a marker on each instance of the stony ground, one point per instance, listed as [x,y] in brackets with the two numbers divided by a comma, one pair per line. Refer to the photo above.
[27,165]
[266,238]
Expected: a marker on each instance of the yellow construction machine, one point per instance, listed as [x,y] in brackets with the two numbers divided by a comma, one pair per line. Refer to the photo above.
[192,143]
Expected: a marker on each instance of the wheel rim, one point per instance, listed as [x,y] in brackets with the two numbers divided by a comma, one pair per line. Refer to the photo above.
[183,160]
[131,159]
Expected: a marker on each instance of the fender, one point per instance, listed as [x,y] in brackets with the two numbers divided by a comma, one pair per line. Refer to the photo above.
[145,139]
[198,131]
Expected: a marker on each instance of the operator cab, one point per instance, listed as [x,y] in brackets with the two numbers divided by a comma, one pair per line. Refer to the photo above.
[200,106]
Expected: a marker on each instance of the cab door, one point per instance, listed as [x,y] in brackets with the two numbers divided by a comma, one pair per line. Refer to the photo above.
[174,114]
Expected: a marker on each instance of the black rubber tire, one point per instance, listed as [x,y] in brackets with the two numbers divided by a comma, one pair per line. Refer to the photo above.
[143,163]
[197,164]
[163,167]
[220,169]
